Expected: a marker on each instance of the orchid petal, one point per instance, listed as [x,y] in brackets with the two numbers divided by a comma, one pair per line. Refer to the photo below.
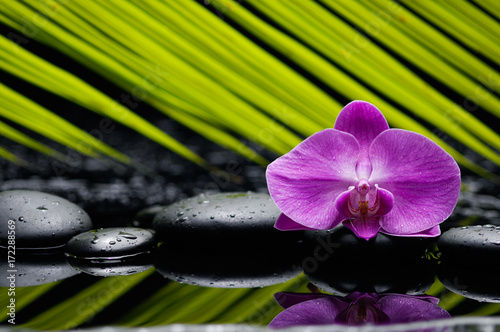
[283,223]
[313,312]
[431,232]
[386,201]
[342,203]
[406,308]
[365,122]
[365,229]
[364,309]
[305,182]
[424,179]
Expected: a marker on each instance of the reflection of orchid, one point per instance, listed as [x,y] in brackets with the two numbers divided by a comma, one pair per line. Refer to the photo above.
[355,309]
[369,176]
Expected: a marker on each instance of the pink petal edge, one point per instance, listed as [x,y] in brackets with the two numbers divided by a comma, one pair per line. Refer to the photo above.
[284,223]
[365,122]
[363,229]
[305,182]
[424,179]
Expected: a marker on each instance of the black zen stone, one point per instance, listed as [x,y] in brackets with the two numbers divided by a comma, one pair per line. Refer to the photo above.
[111,243]
[470,245]
[40,220]
[221,220]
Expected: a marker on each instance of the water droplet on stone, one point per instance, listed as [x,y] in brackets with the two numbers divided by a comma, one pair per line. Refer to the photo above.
[180,214]
[232,215]
[42,208]
[112,242]
[127,236]
[21,219]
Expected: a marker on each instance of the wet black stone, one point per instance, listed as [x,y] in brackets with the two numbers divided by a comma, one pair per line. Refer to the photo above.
[470,244]
[113,267]
[341,243]
[35,269]
[41,220]
[235,267]
[222,219]
[116,242]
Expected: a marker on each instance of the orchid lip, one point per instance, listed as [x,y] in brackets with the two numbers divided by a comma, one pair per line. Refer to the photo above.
[362,196]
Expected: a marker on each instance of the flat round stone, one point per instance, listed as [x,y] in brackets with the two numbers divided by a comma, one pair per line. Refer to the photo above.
[106,243]
[222,219]
[40,220]
[470,245]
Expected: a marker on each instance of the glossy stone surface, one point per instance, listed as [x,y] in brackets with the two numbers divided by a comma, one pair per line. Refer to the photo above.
[41,220]
[469,245]
[116,242]
[220,220]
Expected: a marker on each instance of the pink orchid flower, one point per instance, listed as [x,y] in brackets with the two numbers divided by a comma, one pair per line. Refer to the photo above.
[371,178]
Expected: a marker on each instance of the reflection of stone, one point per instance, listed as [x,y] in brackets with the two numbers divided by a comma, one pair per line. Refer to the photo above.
[41,220]
[36,269]
[474,281]
[238,267]
[341,277]
[113,267]
[355,309]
